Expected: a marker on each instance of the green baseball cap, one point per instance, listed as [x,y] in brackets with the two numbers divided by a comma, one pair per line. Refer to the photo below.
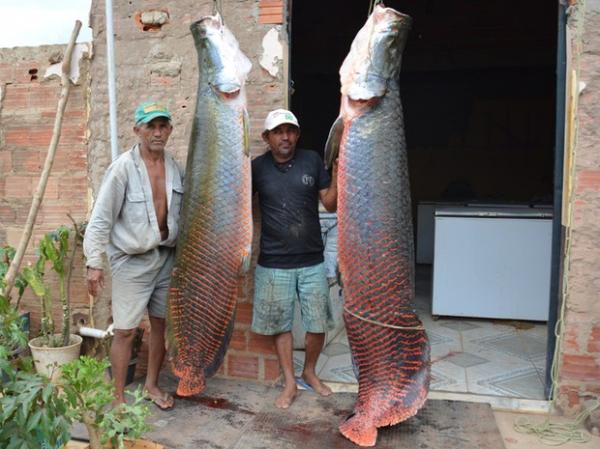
[149,110]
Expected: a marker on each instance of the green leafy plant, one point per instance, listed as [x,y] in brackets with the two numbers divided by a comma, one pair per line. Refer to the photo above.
[7,254]
[11,332]
[53,249]
[32,412]
[90,395]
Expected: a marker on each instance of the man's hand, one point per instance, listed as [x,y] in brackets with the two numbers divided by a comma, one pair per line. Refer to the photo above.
[95,280]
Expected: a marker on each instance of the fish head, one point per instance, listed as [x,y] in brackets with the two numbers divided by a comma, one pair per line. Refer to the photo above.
[222,62]
[375,55]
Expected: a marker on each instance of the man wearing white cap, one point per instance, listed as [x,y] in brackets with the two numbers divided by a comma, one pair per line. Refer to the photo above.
[290,183]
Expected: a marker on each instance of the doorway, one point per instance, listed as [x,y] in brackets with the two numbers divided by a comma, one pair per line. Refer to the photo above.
[478,88]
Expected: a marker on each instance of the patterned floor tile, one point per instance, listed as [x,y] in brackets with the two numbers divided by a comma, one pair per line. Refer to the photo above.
[441,382]
[436,338]
[335,349]
[516,344]
[338,369]
[459,325]
[520,383]
[466,360]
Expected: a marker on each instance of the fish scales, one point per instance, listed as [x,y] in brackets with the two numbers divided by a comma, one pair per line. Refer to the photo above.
[216,224]
[375,237]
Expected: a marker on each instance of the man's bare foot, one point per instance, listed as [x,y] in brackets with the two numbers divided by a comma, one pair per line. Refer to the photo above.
[117,402]
[160,398]
[285,399]
[316,384]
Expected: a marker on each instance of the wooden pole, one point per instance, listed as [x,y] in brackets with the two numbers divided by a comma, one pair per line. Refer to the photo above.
[41,188]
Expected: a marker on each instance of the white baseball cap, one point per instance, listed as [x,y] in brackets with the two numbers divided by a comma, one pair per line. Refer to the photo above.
[279,117]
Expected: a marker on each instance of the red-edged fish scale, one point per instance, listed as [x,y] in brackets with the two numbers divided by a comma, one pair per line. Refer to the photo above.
[216,234]
[376,256]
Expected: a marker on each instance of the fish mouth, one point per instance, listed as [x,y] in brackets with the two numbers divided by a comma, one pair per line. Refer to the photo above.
[227,93]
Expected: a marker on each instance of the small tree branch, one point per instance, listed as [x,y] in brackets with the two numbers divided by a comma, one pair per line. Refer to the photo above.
[41,188]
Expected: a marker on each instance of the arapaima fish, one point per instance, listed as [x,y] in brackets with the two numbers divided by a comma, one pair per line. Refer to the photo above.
[213,248]
[375,240]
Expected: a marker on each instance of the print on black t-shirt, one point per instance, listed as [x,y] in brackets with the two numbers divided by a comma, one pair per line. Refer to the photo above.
[289,206]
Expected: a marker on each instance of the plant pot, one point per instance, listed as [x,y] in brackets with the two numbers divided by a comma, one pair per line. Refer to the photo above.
[49,360]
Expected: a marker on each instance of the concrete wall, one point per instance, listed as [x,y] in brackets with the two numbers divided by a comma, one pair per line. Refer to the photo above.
[28,103]
[579,362]
[160,62]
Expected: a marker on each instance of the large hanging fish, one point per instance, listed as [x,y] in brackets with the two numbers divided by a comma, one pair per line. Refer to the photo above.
[375,240]
[213,249]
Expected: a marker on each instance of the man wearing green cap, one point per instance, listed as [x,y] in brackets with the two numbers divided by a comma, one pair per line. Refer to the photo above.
[135,222]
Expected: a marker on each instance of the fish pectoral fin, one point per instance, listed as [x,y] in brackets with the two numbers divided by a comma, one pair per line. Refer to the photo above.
[246,122]
[332,147]
[246,260]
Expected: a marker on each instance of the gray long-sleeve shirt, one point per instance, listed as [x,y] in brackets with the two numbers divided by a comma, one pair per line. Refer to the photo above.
[123,220]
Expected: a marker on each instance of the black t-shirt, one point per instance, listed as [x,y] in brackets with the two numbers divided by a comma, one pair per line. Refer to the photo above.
[289,204]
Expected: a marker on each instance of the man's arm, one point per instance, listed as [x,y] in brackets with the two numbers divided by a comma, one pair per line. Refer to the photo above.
[328,196]
[97,233]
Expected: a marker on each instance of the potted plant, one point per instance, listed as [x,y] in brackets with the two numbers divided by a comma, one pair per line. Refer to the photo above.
[7,253]
[89,396]
[51,350]
[32,412]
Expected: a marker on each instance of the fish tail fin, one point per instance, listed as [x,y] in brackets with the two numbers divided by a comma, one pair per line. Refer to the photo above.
[359,430]
[191,381]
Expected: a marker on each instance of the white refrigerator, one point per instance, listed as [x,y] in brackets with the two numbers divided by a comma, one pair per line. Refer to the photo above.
[492,262]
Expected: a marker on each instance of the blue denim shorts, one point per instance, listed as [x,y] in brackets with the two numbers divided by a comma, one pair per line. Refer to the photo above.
[276,289]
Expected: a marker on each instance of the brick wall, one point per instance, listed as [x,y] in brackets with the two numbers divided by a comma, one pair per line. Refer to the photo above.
[27,112]
[160,62]
[579,362]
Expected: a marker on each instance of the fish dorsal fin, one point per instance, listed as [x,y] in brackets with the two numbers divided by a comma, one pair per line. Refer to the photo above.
[332,147]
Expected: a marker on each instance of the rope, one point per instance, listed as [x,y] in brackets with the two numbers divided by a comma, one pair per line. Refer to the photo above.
[555,434]
[378,323]
[373,4]
[218,8]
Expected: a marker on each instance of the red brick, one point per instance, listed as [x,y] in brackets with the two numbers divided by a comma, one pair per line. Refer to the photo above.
[594,341]
[262,344]
[5,161]
[74,187]
[588,180]
[238,340]
[38,136]
[56,214]
[27,161]
[7,214]
[52,188]
[571,343]
[271,11]
[244,313]
[242,366]
[7,72]
[43,97]
[272,371]
[161,80]
[18,186]
[70,158]
[582,368]
[15,99]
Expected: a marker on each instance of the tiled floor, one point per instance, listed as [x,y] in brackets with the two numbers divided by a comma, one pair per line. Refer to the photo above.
[478,356]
